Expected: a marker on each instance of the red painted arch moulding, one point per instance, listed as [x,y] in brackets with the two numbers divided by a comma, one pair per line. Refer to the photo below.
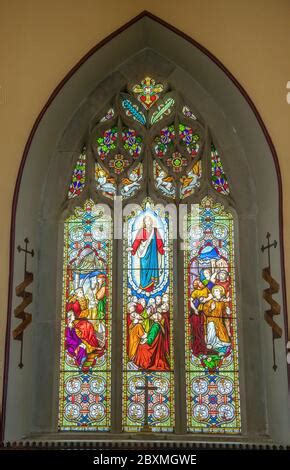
[27,148]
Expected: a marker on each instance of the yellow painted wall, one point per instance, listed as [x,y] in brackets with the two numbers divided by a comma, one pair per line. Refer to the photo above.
[40,40]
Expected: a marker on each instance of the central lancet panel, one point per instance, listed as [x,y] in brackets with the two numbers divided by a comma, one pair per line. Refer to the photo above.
[148,379]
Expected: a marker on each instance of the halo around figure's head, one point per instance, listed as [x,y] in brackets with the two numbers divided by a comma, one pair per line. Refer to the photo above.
[220,289]
[148,221]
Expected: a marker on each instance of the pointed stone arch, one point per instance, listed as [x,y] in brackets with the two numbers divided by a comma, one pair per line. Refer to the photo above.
[59,130]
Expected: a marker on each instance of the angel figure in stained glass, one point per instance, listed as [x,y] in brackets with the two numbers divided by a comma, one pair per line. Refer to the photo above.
[165,182]
[131,184]
[104,182]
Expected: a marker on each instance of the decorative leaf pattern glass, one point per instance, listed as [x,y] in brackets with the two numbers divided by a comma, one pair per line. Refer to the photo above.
[133,111]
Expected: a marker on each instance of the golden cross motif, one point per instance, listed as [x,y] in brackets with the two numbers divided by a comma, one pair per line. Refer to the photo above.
[148,91]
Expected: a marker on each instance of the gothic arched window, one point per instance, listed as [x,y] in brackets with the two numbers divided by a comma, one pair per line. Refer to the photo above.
[162,296]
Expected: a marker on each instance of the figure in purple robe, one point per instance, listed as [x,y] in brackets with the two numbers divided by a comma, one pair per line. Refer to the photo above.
[73,346]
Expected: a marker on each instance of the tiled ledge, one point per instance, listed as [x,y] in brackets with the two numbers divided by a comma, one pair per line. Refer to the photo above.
[119,441]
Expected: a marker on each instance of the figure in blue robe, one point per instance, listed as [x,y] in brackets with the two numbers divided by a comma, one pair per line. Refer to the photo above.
[147,244]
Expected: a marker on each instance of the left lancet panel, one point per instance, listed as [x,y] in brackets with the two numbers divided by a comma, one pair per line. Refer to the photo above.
[85,362]
[78,179]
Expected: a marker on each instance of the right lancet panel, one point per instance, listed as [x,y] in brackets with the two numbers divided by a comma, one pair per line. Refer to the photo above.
[212,368]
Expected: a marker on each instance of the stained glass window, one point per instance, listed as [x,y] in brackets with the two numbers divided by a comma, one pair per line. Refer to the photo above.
[130,185]
[177,162]
[163,182]
[107,142]
[178,154]
[132,109]
[148,379]
[188,113]
[218,177]
[149,145]
[118,163]
[164,108]
[165,142]
[132,142]
[85,363]
[78,177]
[191,181]
[148,91]
[108,116]
[104,182]
[212,367]
[189,139]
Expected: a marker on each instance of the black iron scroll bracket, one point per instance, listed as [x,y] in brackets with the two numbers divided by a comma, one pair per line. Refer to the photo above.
[273,288]
[19,311]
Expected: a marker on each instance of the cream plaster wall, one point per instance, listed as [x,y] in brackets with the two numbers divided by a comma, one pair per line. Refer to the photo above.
[41,40]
